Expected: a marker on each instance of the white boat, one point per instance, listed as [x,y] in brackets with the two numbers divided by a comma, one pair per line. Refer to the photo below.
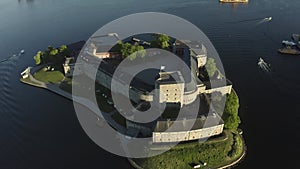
[269,18]
[263,65]
[289,43]
[22,51]
[260,61]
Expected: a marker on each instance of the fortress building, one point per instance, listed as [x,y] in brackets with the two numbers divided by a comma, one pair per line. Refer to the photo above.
[173,90]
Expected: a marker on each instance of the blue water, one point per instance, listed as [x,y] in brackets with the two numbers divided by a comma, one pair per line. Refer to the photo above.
[38,129]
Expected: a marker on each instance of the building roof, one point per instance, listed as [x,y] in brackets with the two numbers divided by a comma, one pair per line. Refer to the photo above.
[188,124]
[196,46]
[136,82]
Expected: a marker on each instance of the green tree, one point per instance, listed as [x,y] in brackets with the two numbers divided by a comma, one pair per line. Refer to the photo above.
[126,49]
[46,58]
[163,40]
[48,50]
[54,52]
[160,41]
[132,51]
[63,50]
[141,52]
[230,115]
[37,58]
[211,67]
[52,56]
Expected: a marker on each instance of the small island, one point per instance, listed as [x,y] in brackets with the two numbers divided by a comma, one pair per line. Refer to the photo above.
[234,1]
[225,147]
[291,47]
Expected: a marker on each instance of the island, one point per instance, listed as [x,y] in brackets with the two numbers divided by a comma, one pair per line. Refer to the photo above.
[291,47]
[234,1]
[224,145]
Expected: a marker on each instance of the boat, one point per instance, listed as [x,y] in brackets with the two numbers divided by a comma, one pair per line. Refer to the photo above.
[264,65]
[289,43]
[268,19]
[22,51]
[262,62]
[288,50]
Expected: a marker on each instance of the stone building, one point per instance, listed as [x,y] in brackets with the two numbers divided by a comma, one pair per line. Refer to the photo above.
[69,66]
[187,129]
[190,49]
[172,88]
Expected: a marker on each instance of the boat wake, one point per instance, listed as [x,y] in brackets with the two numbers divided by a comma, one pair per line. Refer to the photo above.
[263,65]
[13,56]
[10,109]
[268,19]
[261,20]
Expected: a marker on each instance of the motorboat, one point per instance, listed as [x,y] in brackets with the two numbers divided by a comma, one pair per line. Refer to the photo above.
[289,43]
[263,65]
[268,19]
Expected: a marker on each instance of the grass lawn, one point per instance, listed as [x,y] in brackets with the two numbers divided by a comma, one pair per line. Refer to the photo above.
[214,153]
[49,76]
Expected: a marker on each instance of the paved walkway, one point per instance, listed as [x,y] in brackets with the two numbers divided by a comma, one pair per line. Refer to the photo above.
[41,84]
